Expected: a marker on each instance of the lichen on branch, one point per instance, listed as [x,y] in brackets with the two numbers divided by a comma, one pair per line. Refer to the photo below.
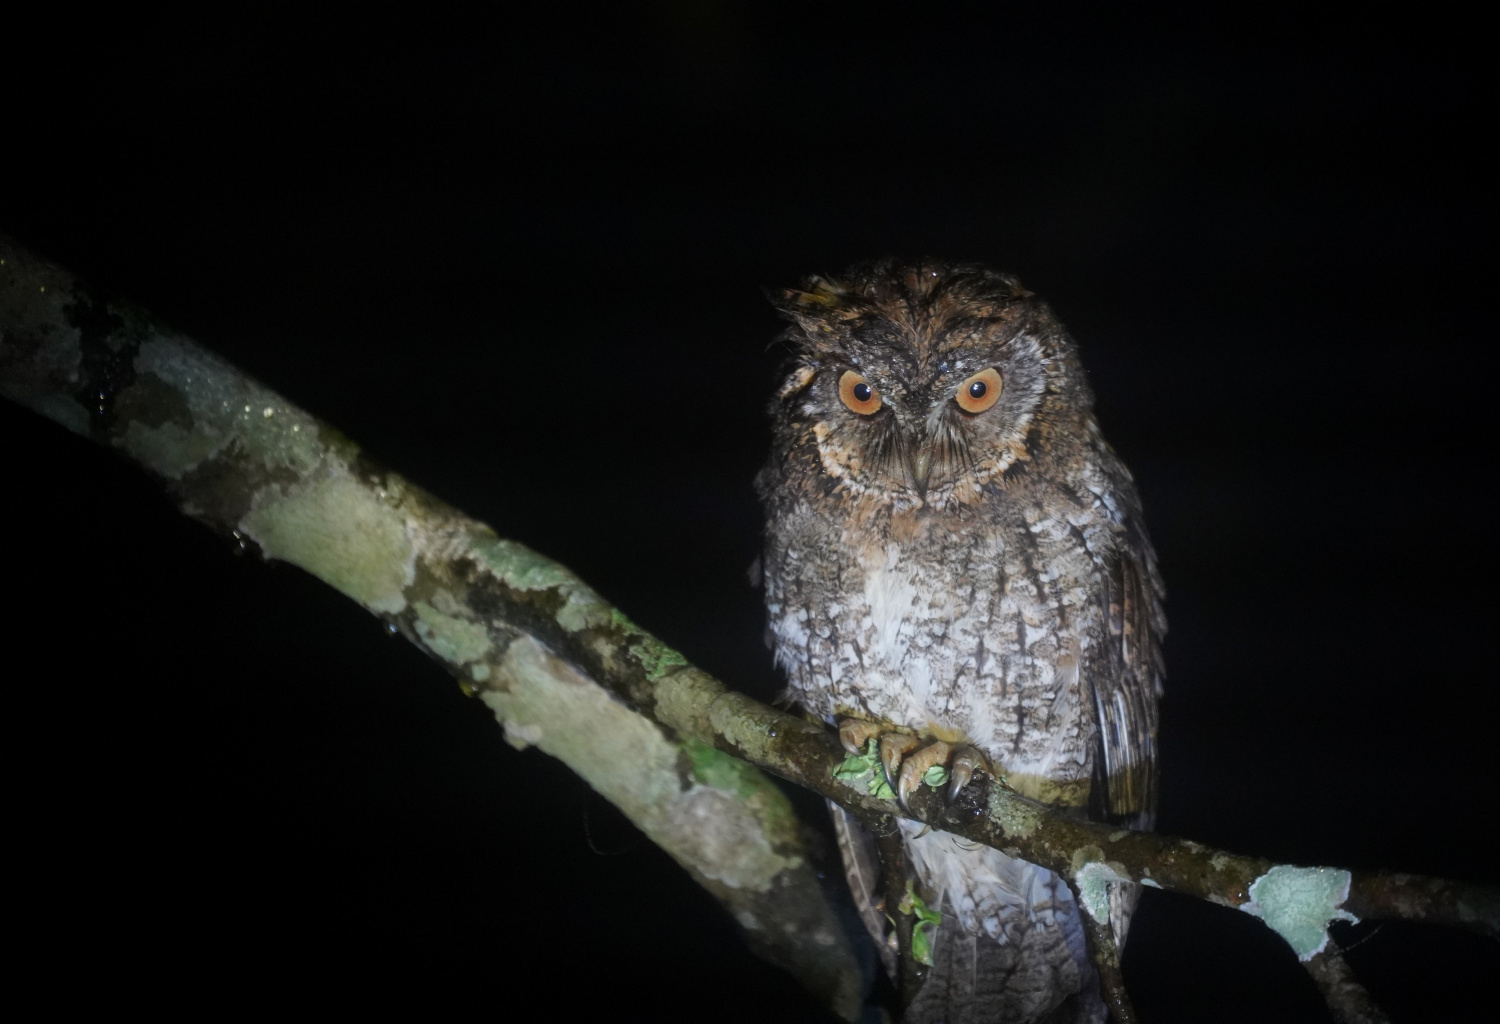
[568,673]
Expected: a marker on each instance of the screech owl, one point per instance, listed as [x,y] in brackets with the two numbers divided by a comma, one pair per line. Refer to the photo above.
[956,563]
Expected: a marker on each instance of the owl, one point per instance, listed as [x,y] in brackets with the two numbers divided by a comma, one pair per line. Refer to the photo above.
[956,570]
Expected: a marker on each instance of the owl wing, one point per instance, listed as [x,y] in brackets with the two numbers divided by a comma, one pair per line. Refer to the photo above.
[1126,678]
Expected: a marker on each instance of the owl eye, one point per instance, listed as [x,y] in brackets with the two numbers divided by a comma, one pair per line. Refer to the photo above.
[856,393]
[980,391]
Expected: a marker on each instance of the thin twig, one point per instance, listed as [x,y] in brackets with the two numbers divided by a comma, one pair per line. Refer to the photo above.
[1347,999]
[896,875]
[1106,957]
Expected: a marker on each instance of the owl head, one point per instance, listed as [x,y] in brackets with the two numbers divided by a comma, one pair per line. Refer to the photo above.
[920,383]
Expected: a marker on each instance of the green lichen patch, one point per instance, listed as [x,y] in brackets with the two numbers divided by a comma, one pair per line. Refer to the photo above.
[1298,903]
[339,531]
[1018,818]
[519,566]
[655,658]
[713,767]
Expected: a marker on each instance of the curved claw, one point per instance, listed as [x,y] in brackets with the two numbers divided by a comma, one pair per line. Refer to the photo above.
[966,758]
[854,733]
[894,746]
[915,766]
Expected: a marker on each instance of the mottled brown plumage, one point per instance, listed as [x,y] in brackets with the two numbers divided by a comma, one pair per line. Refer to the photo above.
[954,550]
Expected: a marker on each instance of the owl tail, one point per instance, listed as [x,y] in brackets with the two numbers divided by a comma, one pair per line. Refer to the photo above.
[1010,946]
[1033,978]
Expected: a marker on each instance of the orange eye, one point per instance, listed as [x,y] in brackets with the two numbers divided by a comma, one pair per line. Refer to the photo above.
[856,393]
[980,391]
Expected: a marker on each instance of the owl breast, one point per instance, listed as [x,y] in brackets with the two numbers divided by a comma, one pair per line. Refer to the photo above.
[951,627]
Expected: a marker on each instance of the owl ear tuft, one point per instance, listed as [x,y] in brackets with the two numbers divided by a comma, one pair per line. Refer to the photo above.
[798,379]
[819,295]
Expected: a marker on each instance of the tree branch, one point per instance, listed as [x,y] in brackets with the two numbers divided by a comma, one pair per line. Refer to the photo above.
[565,671]
[1346,998]
[1106,956]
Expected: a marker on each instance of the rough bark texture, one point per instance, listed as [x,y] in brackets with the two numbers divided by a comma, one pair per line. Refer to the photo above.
[1346,998]
[568,673]
[515,629]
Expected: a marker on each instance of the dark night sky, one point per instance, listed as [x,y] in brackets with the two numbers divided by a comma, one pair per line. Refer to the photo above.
[522,264]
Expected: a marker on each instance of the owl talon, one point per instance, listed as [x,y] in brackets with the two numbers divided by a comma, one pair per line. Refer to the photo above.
[894,746]
[966,758]
[906,770]
[854,733]
[917,765]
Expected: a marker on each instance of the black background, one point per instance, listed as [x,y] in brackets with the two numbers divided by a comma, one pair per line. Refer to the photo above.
[520,261]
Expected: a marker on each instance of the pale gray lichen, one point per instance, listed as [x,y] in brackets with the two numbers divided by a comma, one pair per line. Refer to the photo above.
[41,348]
[225,405]
[170,448]
[451,637]
[627,759]
[725,840]
[1094,879]
[583,609]
[61,409]
[339,531]
[684,699]
[1298,903]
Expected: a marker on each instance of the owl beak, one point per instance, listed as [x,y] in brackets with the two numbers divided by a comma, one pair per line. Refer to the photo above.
[918,469]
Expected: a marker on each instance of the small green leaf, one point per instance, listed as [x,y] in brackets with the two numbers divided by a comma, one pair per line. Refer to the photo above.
[920,908]
[921,944]
[866,766]
[935,776]
[926,920]
[854,768]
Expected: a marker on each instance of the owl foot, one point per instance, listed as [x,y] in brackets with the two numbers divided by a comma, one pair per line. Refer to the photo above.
[908,763]
[854,733]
